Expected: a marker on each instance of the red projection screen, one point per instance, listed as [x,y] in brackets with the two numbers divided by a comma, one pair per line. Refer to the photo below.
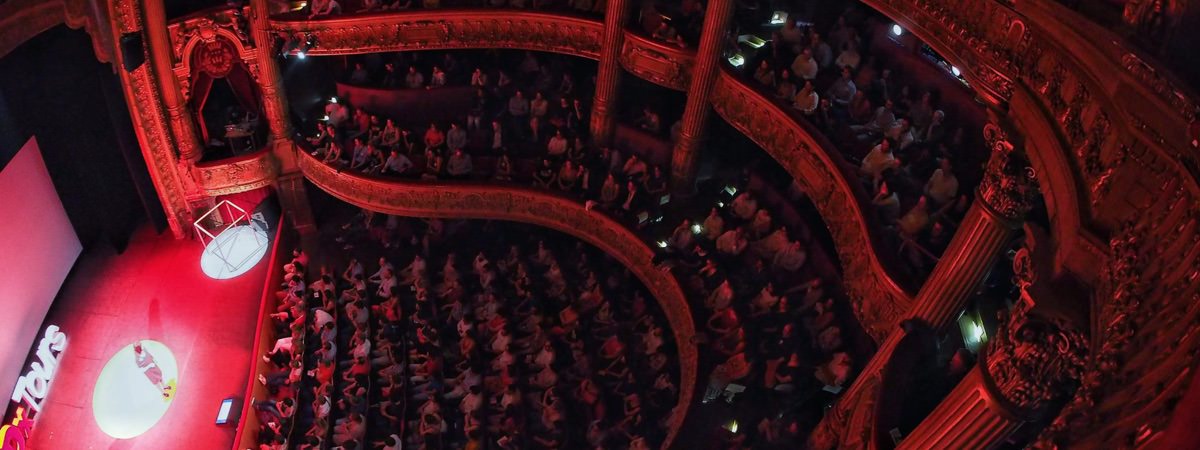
[38,247]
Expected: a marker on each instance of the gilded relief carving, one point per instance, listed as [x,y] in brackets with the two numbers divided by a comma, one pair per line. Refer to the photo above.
[450,29]
[237,176]
[660,64]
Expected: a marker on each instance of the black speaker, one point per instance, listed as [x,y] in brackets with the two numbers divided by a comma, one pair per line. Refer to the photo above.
[133,51]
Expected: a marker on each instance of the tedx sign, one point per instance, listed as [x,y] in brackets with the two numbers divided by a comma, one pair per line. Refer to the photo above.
[32,388]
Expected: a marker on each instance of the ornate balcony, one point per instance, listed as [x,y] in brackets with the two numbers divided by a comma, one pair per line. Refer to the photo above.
[527,205]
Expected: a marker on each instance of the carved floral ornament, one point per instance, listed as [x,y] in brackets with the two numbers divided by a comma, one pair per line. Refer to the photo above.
[1009,184]
[668,68]
[1124,290]
[531,31]
[238,176]
[1035,361]
[228,22]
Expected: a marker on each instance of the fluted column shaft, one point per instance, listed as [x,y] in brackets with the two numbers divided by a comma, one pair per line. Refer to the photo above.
[980,238]
[696,112]
[970,417]
[275,109]
[290,185]
[159,42]
[608,75]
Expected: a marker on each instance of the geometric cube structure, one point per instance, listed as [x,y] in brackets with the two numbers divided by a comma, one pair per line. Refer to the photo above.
[233,243]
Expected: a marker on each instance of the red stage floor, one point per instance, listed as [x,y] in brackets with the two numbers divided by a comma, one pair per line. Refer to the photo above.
[155,290]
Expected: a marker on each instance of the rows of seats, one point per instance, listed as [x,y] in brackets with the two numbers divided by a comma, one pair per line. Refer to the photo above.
[509,338]
[918,154]
[277,412]
[777,327]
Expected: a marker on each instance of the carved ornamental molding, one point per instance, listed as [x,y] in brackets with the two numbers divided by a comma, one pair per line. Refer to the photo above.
[232,176]
[522,204]
[1033,362]
[661,64]
[210,28]
[1009,185]
[878,301]
[448,29]
[22,20]
[151,124]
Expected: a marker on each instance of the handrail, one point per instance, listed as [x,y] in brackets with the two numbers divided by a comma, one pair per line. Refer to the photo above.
[529,205]
[813,161]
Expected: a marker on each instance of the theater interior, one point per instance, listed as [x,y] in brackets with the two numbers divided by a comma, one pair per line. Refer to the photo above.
[600,224]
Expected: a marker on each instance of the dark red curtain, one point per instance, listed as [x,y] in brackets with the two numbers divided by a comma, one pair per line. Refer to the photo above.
[217,62]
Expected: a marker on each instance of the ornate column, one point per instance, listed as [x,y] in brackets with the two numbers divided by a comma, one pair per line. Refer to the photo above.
[275,109]
[999,209]
[290,184]
[158,44]
[695,113]
[1003,198]
[608,74]
[1034,362]
[150,121]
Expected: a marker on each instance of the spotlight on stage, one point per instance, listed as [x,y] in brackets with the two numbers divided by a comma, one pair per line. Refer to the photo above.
[135,389]
[233,244]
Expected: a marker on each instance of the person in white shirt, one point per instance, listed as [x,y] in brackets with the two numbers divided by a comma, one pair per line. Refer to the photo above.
[804,66]
[384,266]
[942,186]
[879,159]
[807,99]
[320,318]
[849,57]
[557,145]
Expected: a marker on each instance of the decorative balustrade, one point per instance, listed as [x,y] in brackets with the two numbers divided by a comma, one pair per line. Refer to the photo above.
[240,174]
[447,29]
[658,62]
[528,205]
[812,160]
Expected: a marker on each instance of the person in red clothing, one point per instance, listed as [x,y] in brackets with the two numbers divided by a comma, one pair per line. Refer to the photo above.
[146,363]
[323,373]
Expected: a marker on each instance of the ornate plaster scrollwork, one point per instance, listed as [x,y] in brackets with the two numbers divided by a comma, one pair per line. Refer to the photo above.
[1009,185]
[228,22]
[1035,361]
[657,63]
[449,29]
[237,176]
[1124,292]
